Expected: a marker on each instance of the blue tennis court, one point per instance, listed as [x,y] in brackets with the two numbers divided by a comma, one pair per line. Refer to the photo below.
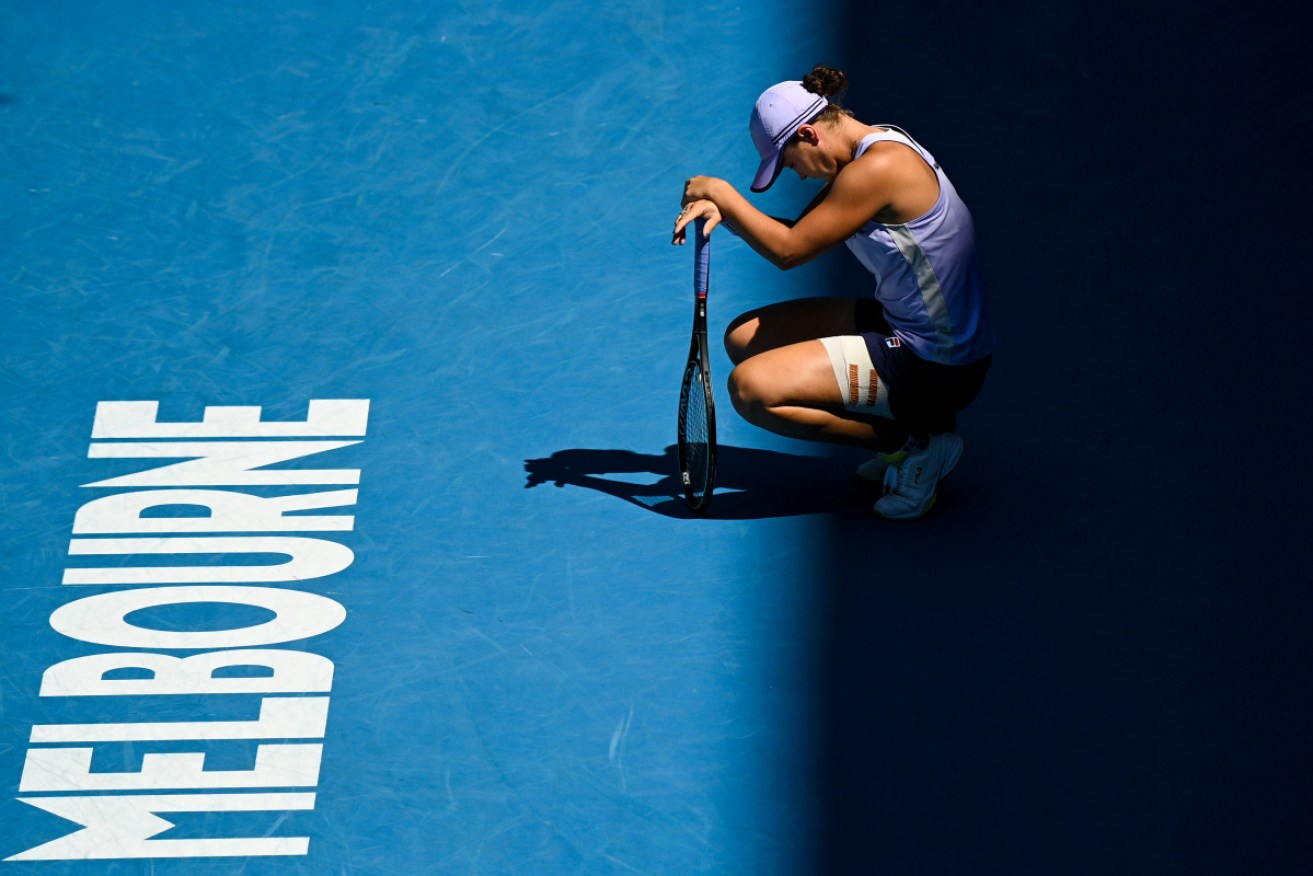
[341,533]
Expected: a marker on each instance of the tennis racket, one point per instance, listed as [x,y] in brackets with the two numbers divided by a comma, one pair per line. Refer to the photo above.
[697,411]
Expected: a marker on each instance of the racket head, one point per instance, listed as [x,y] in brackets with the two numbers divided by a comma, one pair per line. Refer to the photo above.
[697,436]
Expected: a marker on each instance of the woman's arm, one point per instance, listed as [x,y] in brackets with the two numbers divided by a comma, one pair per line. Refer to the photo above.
[841,208]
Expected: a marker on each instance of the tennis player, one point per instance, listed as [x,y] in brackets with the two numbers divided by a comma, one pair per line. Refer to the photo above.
[888,372]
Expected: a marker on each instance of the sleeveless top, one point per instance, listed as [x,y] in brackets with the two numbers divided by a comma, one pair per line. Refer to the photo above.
[927,271]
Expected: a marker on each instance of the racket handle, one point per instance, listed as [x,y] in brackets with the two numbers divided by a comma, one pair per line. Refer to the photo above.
[701,259]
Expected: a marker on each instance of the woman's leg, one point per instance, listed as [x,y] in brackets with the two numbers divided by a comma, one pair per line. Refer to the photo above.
[789,322]
[791,390]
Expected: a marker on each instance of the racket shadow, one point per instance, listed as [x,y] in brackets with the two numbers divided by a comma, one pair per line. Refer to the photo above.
[750,484]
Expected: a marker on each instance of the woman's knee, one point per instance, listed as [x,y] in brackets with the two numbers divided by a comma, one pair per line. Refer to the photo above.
[797,375]
[740,396]
[750,389]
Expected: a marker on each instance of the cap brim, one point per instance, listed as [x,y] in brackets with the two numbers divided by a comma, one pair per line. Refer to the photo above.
[767,173]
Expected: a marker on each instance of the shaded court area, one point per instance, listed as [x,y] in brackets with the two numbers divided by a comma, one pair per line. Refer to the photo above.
[457,619]
[1093,660]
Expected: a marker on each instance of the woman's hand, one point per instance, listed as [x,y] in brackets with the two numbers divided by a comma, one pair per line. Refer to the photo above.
[704,188]
[700,209]
[700,201]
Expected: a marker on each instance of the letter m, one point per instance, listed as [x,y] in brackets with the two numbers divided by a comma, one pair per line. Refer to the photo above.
[123,827]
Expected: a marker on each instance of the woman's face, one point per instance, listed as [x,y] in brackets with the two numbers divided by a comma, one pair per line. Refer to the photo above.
[805,157]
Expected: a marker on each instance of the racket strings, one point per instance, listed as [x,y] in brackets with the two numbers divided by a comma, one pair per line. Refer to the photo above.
[695,434]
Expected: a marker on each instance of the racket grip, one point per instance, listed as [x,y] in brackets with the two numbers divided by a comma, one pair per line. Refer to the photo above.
[701,259]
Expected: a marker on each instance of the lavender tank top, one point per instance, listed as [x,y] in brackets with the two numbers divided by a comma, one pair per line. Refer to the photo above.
[927,271]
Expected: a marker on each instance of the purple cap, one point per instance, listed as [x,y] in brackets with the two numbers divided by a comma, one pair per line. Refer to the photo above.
[780,111]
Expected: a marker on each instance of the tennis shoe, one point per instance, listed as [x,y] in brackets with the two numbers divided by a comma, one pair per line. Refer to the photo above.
[872,471]
[910,483]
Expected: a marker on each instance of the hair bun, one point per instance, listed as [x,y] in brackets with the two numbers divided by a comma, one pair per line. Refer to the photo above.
[825,81]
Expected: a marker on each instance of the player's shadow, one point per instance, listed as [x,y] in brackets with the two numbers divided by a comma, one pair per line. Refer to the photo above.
[750,483]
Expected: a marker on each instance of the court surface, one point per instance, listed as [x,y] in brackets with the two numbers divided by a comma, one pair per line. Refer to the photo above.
[456,618]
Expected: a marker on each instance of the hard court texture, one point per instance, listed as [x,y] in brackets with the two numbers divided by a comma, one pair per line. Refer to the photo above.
[502,645]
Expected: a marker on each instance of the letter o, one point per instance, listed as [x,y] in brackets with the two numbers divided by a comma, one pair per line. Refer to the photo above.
[101,619]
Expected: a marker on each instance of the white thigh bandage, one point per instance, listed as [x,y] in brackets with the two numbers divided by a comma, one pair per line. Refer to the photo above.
[862,389]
